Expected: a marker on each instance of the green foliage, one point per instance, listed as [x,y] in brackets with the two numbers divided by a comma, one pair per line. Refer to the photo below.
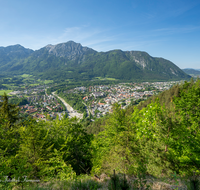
[165,139]
[164,98]
[86,65]
[191,71]
[187,110]
[85,185]
[41,150]
[3,87]
[113,146]
[19,101]
[75,101]
[56,168]
[161,138]
[35,147]
[8,111]
[118,183]
[63,106]
[194,184]
[141,181]
[96,126]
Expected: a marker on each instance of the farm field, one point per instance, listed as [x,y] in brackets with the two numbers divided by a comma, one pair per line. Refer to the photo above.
[6,91]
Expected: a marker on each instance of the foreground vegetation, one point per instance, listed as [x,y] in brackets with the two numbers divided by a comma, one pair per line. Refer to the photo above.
[157,139]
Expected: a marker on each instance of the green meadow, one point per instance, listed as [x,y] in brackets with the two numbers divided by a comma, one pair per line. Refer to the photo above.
[6,91]
[26,75]
[101,78]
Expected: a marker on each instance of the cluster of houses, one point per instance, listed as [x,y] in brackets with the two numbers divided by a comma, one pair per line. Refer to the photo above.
[42,106]
[120,93]
[98,98]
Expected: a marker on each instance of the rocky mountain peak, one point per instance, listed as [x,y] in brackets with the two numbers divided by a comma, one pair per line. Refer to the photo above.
[69,49]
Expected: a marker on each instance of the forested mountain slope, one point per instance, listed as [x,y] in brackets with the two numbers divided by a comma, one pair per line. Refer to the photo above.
[11,55]
[71,60]
[191,71]
[161,136]
[164,98]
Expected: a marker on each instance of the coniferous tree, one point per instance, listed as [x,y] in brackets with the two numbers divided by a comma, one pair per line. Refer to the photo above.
[115,147]
[71,139]
[9,111]
[35,146]
[9,138]
[188,111]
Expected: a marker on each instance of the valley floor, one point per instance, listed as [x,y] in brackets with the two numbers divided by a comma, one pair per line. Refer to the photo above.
[70,111]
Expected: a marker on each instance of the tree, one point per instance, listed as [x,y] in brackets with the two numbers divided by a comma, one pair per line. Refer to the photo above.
[9,139]
[71,139]
[35,146]
[187,108]
[114,147]
[153,126]
[9,125]
[9,111]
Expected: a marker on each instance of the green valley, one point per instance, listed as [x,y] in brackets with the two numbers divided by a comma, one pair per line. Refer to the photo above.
[136,125]
[146,144]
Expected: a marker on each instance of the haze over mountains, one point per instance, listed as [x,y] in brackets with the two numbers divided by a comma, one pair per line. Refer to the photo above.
[192,71]
[73,61]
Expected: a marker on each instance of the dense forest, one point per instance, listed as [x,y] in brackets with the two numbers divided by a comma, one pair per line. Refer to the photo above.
[157,137]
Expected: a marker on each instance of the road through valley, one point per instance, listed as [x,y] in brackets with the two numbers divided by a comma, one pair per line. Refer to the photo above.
[71,112]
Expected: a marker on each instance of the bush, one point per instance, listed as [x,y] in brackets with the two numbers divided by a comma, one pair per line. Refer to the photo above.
[85,185]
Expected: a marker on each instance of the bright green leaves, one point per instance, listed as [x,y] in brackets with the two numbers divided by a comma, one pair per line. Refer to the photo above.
[114,147]
[56,168]
[41,150]
[148,120]
[188,112]
[156,140]
[188,104]
[53,148]
[151,126]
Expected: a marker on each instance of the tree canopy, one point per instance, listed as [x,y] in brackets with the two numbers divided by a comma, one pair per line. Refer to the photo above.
[158,138]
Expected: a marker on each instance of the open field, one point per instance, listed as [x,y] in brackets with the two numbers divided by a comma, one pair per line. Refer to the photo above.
[6,91]
[35,84]
[48,81]
[110,78]
[101,78]
[26,75]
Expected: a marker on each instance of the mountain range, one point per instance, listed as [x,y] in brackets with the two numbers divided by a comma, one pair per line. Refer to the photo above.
[71,60]
[191,71]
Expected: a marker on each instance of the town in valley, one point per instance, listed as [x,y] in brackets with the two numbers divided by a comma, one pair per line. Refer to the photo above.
[39,102]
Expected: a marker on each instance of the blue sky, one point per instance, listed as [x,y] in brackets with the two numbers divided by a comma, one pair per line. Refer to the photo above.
[162,28]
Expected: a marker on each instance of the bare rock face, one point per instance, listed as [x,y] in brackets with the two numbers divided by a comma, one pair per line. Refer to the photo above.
[139,58]
[70,50]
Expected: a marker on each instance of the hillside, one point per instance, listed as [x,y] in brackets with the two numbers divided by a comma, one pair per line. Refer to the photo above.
[157,138]
[165,98]
[72,61]
[10,56]
[161,125]
[191,71]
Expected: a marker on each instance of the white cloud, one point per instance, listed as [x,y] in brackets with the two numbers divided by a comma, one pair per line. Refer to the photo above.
[79,34]
[175,30]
